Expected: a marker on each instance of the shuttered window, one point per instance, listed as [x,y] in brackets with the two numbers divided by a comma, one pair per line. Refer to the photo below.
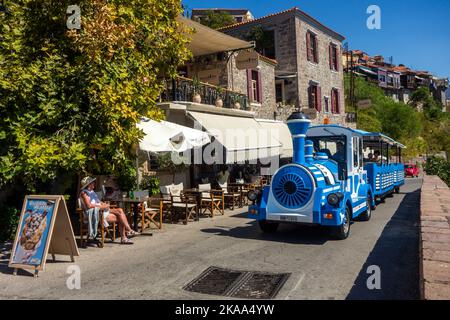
[315,97]
[312,51]
[334,57]
[335,101]
[254,86]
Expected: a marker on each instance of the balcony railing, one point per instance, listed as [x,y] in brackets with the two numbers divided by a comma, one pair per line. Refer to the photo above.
[184,89]
[351,117]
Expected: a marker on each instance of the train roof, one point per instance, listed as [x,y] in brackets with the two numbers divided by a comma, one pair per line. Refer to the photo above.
[370,136]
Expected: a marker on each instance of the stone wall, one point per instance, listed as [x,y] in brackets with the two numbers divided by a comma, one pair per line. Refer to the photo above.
[320,72]
[236,80]
[290,30]
[435,239]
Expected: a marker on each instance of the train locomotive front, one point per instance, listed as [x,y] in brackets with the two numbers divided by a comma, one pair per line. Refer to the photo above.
[307,191]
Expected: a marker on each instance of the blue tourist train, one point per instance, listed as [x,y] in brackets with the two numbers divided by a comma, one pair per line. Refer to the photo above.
[338,174]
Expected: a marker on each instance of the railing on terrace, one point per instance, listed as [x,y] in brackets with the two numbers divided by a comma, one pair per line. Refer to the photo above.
[183,89]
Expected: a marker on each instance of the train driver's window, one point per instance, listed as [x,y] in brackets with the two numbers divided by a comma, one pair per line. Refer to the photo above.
[333,147]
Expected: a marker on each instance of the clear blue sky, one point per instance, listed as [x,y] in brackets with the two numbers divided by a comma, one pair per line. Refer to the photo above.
[414,32]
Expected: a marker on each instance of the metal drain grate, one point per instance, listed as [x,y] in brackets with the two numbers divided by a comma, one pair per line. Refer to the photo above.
[238,284]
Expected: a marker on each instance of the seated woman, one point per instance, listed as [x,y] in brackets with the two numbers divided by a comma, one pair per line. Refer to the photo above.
[91,200]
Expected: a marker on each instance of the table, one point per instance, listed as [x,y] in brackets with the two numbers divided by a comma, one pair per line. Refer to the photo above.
[135,205]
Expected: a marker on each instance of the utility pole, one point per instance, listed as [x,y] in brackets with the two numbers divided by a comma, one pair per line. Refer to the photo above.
[352,86]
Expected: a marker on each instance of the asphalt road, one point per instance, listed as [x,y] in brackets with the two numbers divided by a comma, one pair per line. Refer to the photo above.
[158,267]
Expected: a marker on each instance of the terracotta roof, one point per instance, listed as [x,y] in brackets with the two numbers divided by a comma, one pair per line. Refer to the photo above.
[266,59]
[233,11]
[294,9]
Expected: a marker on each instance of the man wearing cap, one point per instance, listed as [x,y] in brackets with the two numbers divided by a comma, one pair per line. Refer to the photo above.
[92,205]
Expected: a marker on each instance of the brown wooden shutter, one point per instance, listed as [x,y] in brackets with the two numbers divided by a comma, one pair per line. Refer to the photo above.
[319,99]
[249,85]
[336,94]
[308,46]
[316,52]
[330,50]
[333,102]
[310,96]
[260,91]
[338,58]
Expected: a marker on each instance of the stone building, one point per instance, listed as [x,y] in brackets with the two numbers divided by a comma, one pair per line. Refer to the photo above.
[309,72]
[257,83]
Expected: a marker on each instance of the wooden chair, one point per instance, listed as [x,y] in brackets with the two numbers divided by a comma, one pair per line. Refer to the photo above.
[231,197]
[152,213]
[103,231]
[166,200]
[183,207]
[150,210]
[211,200]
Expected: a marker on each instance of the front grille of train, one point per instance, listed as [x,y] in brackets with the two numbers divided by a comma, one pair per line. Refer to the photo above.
[292,187]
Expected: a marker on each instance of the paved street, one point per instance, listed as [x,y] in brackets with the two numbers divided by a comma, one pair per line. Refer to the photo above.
[158,267]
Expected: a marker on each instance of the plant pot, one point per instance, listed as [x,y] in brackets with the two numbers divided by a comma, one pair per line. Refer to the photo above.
[219,103]
[197,98]
[237,105]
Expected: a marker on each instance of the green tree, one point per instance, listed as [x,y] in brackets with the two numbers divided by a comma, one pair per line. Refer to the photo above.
[217,19]
[70,99]
[395,119]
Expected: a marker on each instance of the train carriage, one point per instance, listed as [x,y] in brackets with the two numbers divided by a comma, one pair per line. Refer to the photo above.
[337,175]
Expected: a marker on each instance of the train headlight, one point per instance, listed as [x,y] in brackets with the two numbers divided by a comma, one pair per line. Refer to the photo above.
[252,195]
[334,198]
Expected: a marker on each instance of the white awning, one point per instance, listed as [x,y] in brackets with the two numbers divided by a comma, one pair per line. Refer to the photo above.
[205,40]
[169,137]
[244,139]
[280,132]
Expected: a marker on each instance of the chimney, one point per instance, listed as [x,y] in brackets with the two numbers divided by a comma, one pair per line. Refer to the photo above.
[309,151]
[298,124]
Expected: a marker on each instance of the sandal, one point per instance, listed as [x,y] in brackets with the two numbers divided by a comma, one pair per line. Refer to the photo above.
[126,241]
[132,234]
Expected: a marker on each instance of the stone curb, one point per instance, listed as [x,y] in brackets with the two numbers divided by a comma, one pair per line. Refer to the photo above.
[434,239]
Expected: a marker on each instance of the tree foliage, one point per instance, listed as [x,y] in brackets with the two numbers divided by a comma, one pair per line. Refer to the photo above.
[217,19]
[439,167]
[69,100]
[422,132]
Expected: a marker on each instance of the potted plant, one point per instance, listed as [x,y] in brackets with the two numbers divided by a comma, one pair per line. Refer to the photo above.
[151,184]
[219,100]
[196,97]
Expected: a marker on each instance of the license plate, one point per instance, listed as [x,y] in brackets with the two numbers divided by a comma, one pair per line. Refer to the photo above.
[288,218]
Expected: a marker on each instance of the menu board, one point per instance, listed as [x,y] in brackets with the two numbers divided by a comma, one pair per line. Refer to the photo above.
[36,237]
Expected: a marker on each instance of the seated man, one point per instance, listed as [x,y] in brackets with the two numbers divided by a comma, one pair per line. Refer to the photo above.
[376,156]
[339,156]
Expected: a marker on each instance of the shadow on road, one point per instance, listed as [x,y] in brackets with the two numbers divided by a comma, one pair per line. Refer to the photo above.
[288,233]
[5,254]
[397,254]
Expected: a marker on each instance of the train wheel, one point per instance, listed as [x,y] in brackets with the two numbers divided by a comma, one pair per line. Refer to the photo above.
[397,190]
[343,231]
[368,214]
[268,227]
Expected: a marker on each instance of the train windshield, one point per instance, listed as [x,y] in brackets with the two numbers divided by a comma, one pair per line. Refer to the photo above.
[334,147]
